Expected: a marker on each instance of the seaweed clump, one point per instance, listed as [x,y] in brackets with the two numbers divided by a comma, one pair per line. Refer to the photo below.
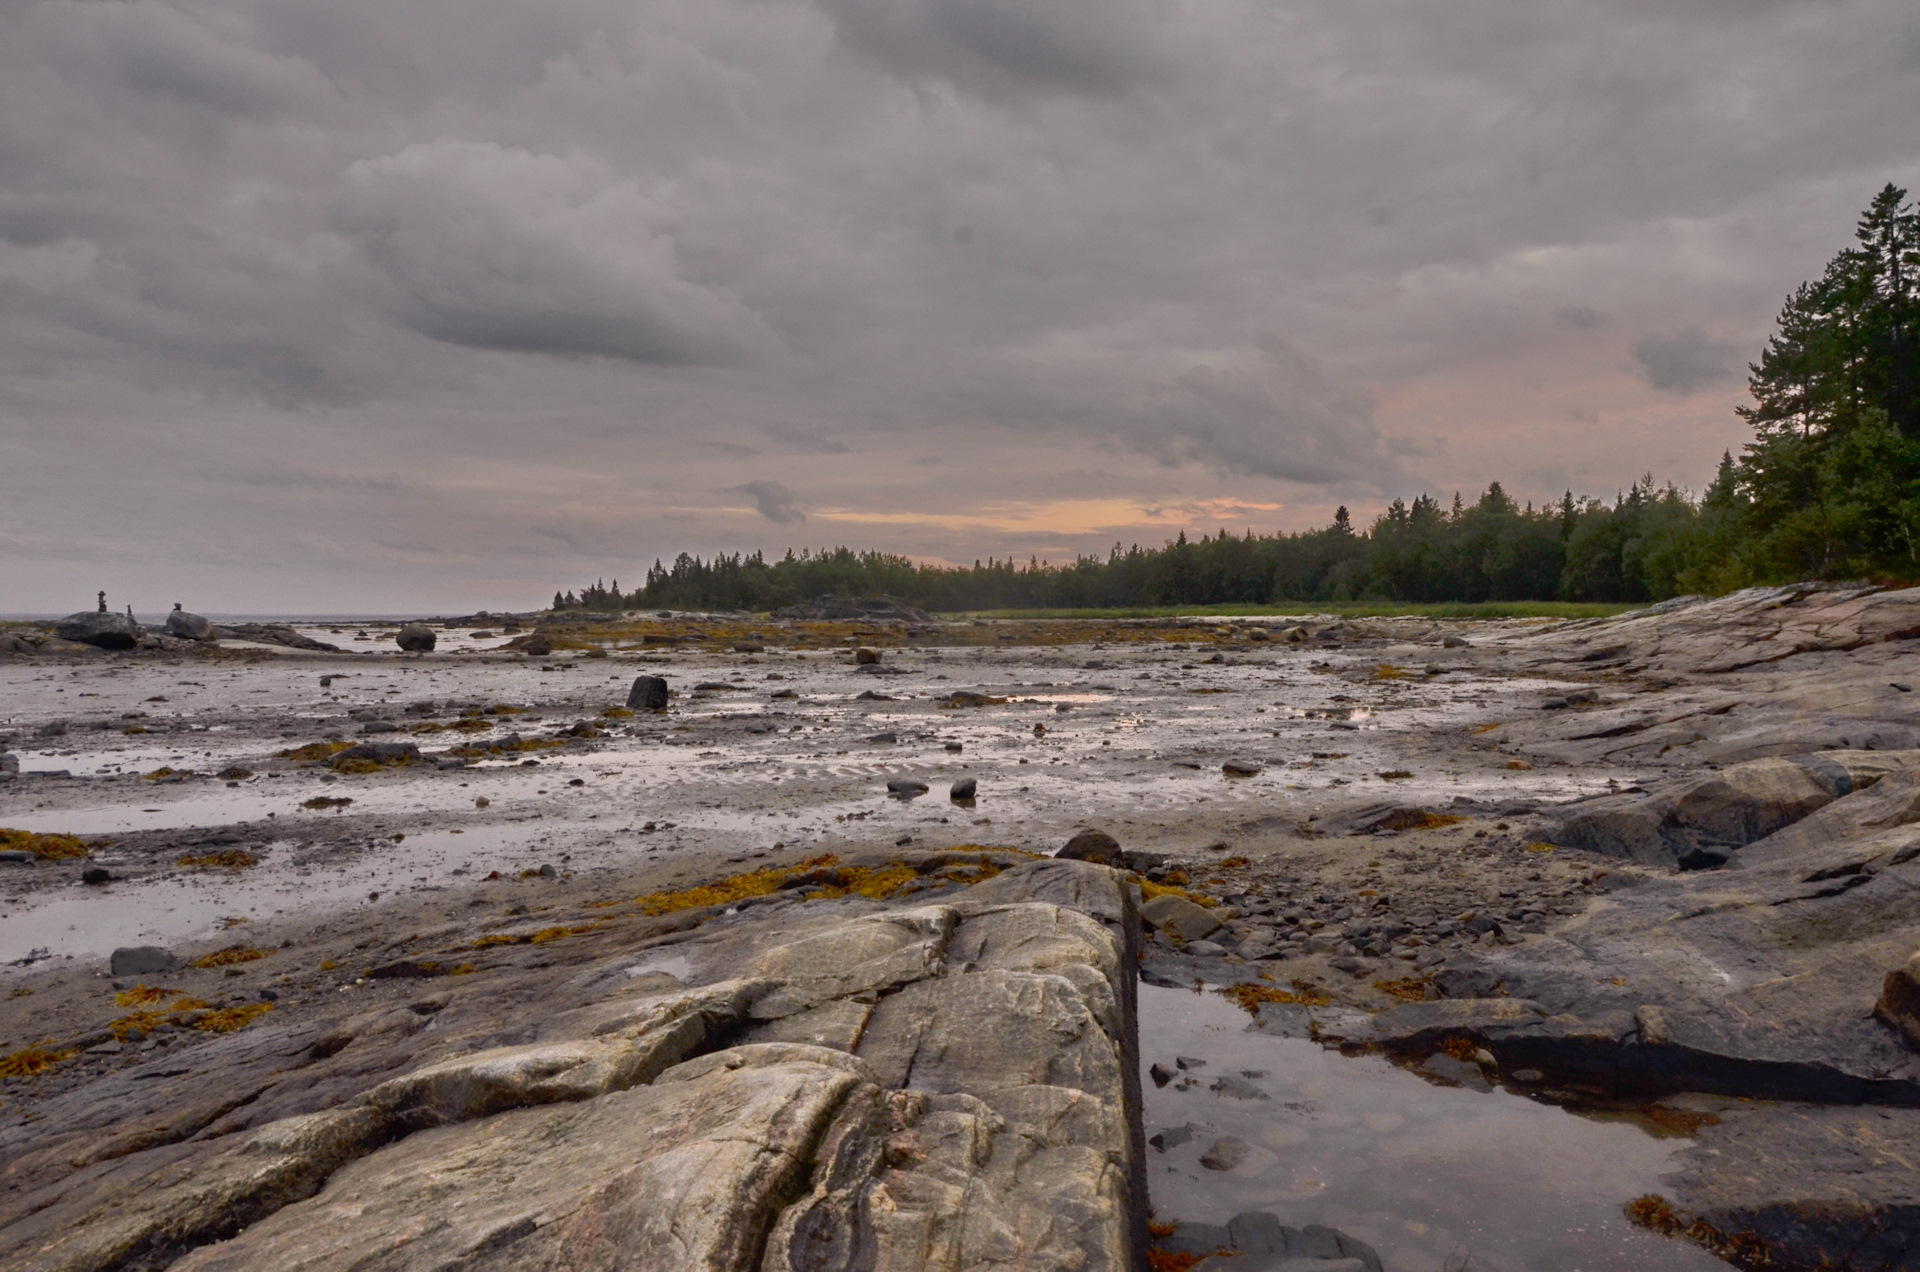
[1251,995]
[230,859]
[229,957]
[43,847]
[31,1062]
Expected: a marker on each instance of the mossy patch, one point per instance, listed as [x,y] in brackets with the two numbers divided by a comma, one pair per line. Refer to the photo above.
[229,1019]
[735,888]
[544,935]
[1250,995]
[143,995]
[1412,989]
[43,847]
[231,956]
[1172,888]
[229,859]
[313,752]
[31,1062]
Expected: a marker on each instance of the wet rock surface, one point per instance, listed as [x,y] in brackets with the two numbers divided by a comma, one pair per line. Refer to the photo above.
[1689,882]
[830,1083]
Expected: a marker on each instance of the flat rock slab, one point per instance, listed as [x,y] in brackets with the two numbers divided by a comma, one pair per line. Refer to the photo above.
[684,1174]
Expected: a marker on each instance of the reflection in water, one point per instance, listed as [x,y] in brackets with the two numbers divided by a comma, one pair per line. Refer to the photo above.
[1431,1177]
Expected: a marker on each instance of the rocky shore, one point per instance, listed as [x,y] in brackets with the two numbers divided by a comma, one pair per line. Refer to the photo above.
[1657,867]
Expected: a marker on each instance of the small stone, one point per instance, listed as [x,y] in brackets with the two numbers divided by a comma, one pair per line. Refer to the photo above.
[1237,1088]
[906,787]
[1226,1153]
[1456,642]
[1899,1004]
[1206,949]
[548,872]
[1242,768]
[963,789]
[1444,1068]
[1172,1137]
[887,738]
[866,657]
[94,876]
[1160,1074]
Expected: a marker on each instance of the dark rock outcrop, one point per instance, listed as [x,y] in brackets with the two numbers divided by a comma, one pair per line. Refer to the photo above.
[99,628]
[1701,822]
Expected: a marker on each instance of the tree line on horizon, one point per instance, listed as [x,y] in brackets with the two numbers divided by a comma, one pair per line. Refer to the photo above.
[1829,488]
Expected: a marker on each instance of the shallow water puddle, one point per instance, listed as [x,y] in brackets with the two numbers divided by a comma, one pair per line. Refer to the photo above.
[1432,1177]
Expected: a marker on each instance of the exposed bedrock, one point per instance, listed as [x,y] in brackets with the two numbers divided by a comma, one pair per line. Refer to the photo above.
[1699,822]
[850,1085]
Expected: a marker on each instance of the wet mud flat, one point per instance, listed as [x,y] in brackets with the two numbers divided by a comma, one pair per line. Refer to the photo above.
[1456,847]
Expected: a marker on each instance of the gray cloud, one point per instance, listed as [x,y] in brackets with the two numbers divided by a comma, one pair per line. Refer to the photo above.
[1579,317]
[1686,361]
[556,270]
[773,501]
[1099,47]
[500,248]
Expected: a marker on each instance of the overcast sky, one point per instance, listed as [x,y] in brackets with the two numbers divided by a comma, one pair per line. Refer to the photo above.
[443,304]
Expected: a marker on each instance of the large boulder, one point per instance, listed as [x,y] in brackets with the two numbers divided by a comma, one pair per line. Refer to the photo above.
[649,693]
[415,638]
[99,628]
[184,626]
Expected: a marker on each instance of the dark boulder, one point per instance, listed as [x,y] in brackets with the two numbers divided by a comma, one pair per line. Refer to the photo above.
[416,638]
[1096,846]
[964,789]
[100,629]
[649,693]
[141,960]
[537,645]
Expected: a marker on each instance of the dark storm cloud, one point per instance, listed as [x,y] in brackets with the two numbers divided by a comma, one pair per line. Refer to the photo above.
[503,249]
[1076,46]
[773,501]
[596,263]
[1686,361]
